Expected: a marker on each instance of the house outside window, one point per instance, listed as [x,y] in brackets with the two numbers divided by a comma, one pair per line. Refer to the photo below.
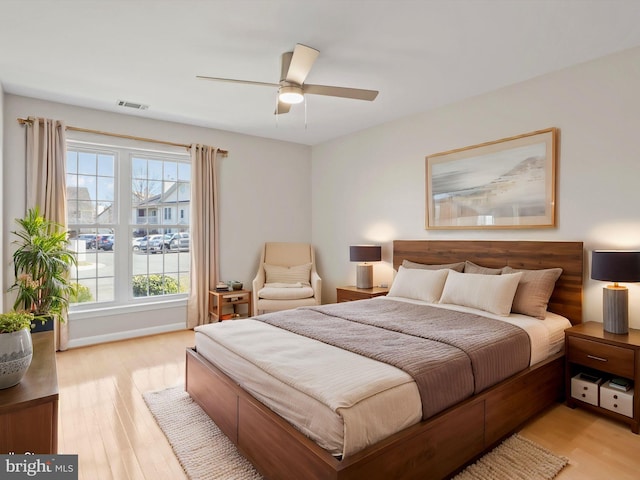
[114,195]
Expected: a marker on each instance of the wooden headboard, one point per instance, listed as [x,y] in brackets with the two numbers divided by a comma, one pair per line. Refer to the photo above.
[567,296]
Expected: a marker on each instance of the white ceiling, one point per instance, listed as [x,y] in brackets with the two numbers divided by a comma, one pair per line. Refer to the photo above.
[419,54]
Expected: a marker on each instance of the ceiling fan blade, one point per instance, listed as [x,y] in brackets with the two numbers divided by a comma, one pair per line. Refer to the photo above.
[231,80]
[355,93]
[300,64]
[285,61]
[282,108]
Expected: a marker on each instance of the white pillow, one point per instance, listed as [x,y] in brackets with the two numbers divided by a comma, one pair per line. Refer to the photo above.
[418,284]
[281,274]
[491,293]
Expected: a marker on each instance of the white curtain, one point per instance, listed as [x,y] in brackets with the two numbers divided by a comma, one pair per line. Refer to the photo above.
[46,183]
[204,232]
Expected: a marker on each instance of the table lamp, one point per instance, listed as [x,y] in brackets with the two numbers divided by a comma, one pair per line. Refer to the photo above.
[365,254]
[615,266]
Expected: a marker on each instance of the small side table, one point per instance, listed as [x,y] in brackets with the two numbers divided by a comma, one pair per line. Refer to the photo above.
[351,293]
[231,299]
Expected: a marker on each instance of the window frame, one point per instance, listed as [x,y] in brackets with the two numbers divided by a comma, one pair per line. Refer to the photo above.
[124,226]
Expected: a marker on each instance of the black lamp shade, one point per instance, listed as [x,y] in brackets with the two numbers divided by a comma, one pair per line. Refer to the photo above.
[615,265]
[365,253]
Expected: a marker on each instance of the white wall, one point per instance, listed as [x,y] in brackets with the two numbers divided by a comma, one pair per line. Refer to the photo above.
[370,186]
[264,196]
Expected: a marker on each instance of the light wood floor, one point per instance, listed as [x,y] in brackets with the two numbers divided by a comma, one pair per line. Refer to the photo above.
[102,415]
[104,419]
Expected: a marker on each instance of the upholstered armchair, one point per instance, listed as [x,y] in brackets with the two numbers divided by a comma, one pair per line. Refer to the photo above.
[286,278]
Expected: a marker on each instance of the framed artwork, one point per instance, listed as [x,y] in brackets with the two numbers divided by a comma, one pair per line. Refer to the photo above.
[508,183]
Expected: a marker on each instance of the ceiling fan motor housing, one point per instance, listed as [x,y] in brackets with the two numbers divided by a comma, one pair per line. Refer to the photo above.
[291,94]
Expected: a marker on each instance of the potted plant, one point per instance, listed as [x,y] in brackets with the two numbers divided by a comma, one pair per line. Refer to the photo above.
[16,348]
[42,263]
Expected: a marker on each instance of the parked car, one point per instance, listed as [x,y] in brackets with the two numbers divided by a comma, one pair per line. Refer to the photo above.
[136,242]
[179,242]
[104,242]
[154,243]
[144,244]
[89,239]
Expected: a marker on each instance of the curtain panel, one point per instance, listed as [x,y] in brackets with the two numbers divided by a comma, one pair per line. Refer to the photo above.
[46,183]
[204,233]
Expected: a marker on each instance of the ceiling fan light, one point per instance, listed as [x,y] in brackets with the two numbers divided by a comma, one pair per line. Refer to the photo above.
[290,95]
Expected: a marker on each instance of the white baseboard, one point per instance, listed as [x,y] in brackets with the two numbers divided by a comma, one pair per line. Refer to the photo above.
[124,335]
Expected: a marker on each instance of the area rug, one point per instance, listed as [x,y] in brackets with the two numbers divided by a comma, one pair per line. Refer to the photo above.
[515,458]
[205,453]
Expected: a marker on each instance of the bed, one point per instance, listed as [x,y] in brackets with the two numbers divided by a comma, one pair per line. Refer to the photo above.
[431,446]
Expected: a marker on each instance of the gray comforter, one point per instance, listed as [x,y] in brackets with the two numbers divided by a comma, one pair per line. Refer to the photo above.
[450,355]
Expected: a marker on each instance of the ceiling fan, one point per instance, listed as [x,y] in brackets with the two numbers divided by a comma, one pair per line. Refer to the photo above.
[295,67]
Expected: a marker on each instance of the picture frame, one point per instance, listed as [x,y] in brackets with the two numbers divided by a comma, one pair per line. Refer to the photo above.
[507,183]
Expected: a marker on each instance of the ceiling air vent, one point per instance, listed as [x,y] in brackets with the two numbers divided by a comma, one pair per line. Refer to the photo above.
[137,106]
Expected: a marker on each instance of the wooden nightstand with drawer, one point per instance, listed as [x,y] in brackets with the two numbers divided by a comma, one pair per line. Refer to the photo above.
[591,351]
[351,293]
[223,305]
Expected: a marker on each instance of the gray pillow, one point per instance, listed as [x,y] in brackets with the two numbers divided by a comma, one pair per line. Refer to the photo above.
[534,290]
[458,267]
[470,267]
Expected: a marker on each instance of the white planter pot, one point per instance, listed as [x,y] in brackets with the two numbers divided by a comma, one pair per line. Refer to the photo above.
[16,351]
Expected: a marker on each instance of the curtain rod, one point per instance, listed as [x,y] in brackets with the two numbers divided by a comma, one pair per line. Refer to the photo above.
[22,121]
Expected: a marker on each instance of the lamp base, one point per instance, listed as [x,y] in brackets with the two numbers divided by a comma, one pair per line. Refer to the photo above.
[364,276]
[615,309]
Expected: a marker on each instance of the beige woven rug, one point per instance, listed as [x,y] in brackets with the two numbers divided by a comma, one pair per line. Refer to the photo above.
[205,453]
[515,458]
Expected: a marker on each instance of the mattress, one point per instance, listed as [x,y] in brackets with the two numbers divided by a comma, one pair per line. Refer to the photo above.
[327,393]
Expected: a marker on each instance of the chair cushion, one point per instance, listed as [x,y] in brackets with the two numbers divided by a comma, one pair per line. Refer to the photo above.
[286,293]
[286,253]
[282,274]
[265,305]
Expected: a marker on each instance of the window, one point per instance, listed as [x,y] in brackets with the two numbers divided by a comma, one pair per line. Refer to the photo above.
[91,186]
[126,250]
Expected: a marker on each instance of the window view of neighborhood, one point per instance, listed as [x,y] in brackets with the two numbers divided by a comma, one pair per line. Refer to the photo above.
[128,218]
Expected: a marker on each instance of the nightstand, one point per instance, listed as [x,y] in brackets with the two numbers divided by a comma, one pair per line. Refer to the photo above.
[592,351]
[231,299]
[351,293]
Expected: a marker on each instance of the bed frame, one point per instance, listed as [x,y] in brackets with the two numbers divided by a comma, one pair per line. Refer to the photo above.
[434,448]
